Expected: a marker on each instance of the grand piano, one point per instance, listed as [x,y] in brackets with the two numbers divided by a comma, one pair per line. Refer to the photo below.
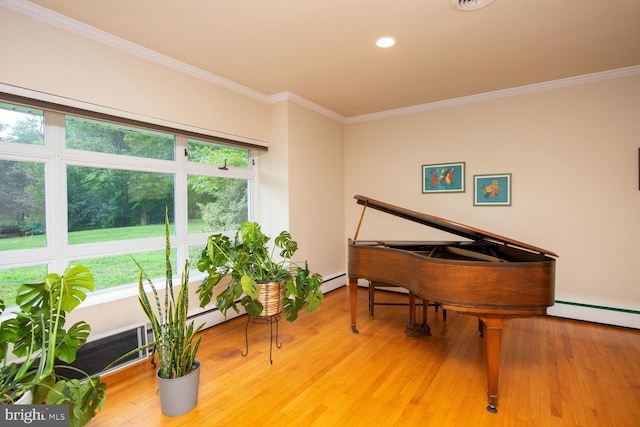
[486,275]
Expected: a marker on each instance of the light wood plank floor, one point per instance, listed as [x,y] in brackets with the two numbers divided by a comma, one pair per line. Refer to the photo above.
[554,372]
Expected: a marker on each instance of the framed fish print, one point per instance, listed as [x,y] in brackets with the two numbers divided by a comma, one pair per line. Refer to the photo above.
[443,178]
[492,190]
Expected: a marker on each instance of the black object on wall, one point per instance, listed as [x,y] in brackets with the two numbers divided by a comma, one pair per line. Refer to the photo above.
[97,354]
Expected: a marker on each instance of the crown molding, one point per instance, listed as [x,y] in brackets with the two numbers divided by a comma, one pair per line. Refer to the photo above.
[290,96]
[538,87]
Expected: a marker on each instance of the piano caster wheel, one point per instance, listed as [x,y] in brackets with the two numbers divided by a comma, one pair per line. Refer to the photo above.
[492,409]
[354,330]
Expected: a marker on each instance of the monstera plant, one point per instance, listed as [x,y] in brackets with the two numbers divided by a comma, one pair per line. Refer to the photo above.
[36,337]
[249,261]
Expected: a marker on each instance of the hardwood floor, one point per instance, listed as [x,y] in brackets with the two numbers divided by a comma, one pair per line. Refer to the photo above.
[554,372]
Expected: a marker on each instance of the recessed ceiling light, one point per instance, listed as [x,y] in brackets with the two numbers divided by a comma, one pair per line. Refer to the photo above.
[466,5]
[386,42]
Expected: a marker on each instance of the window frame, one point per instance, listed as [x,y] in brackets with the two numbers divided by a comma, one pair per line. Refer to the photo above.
[56,157]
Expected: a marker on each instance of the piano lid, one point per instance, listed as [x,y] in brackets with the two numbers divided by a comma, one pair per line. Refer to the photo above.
[447,225]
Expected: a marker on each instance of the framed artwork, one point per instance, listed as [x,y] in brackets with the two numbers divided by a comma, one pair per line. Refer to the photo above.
[492,190]
[443,178]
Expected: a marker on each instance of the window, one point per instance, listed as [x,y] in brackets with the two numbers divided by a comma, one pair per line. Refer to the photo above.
[21,125]
[89,189]
[103,137]
[217,202]
[22,211]
[106,204]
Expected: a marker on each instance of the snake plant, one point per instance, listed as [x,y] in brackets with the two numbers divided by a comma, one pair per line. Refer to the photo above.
[174,337]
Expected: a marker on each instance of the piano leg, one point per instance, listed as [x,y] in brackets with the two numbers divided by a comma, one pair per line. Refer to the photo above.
[353,300]
[413,328]
[492,332]
[491,324]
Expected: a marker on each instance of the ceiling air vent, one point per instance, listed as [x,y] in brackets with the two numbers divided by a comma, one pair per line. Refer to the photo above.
[466,5]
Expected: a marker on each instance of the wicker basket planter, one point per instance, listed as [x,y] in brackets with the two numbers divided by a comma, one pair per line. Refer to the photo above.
[270,295]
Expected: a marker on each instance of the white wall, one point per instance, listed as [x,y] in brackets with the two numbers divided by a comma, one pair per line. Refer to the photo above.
[302,186]
[573,155]
[316,189]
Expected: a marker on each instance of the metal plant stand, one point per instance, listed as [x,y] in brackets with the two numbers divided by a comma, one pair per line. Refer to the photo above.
[270,296]
[271,320]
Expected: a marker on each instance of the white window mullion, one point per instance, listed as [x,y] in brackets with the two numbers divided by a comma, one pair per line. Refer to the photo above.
[253,186]
[181,196]
[56,191]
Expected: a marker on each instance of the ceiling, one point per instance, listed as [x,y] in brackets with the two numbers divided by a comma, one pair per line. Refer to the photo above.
[325,52]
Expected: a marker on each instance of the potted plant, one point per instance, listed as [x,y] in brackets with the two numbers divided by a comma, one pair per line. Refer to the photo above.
[38,339]
[174,339]
[250,263]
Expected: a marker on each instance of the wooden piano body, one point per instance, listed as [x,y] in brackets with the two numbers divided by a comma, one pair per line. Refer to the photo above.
[488,276]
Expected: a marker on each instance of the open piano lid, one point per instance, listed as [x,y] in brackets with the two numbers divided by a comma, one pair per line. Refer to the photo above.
[446,225]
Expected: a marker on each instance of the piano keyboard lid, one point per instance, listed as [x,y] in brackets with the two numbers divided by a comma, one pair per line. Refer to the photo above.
[442,224]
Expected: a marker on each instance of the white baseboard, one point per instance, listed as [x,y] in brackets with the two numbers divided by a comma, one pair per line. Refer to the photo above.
[334,282]
[588,313]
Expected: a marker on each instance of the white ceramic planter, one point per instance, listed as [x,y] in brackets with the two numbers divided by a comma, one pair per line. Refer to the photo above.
[179,395]
[25,399]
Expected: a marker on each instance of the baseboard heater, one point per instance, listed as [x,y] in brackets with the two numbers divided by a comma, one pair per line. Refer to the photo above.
[99,352]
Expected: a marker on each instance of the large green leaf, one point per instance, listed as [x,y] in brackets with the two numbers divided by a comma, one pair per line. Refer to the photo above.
[76,281]
[75,337]
[28,333]
[284,242]
[226,300]
[253,307]
[32,295]
[249,286]
[64,292]
[314,301]
[205,290]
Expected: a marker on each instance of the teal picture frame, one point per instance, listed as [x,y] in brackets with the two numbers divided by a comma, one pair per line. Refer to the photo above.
[443,178]
[492,190]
